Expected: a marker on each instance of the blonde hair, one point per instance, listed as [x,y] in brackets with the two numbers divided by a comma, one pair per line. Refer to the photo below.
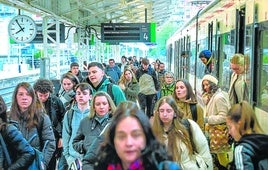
[109,99]
[123,78]
[240,59]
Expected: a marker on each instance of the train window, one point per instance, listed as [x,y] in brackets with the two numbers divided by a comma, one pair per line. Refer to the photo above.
[263,97]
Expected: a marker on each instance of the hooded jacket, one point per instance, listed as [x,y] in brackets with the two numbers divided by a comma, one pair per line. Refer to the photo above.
[249,150]
[118,94]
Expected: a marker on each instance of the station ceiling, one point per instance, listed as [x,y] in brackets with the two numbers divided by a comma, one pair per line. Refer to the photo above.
[95,12]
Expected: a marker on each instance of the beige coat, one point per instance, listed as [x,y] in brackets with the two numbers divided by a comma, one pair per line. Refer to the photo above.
[217,108]
[238,88]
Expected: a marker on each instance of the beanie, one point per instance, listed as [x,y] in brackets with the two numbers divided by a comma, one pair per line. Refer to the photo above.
[210,78]
[205,53]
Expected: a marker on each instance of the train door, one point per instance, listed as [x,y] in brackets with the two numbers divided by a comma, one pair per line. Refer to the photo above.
[218,55]
[240,30]
[260,94]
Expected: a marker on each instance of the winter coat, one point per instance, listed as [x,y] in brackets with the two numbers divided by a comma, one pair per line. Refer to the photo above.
[118,94]
[69,131]
[20,151]
[238,88]
[113,72]
[131,91]
[248,150]
[167,89]
[44,133]
[89,129]
[202,148]
[217,108]
[55,110]
[186,109]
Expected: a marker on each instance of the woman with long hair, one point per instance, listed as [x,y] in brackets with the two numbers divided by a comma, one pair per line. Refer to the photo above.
[183,137]
[131,144]
[28,114]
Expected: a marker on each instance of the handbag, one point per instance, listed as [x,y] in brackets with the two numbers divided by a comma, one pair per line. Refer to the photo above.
[219,138]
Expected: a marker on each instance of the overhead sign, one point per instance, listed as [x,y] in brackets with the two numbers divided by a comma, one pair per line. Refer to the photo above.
[127,32]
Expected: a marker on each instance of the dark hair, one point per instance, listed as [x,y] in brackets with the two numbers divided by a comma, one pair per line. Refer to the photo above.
[3,110]
[43,86]
[74,64]
[83,86]
[93,64]
[153,153]
[111,59]
[212,88]
[34,110]
[145,61]
[71,77]
[190,94]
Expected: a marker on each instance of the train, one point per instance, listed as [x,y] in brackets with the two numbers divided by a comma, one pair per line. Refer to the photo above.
[225,28]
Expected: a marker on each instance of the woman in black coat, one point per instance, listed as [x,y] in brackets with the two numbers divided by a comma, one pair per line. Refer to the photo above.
[20,151]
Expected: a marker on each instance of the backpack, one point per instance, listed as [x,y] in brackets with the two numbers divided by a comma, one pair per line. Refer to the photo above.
[38,162]
[193,111]
[70,114]
[110,90]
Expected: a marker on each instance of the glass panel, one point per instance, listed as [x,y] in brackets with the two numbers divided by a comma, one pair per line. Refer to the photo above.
[263,90]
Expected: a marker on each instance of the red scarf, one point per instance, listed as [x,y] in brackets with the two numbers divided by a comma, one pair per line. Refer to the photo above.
[137,165]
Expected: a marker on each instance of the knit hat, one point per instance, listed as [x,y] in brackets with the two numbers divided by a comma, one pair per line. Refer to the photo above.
[210,78]
[205,53]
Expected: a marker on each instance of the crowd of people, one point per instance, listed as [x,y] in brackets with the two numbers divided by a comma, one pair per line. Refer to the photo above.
[133,116]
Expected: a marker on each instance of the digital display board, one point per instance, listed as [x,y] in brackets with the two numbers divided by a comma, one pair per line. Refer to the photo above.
[127,32]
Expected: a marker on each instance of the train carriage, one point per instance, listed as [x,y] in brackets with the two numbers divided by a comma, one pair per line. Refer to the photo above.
[225,28]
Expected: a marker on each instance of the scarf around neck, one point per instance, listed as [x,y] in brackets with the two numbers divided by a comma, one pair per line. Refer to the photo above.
[136,165]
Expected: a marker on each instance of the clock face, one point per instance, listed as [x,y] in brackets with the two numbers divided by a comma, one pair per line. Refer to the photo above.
[22,29]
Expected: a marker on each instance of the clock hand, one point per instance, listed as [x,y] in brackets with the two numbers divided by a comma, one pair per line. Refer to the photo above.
[21,29]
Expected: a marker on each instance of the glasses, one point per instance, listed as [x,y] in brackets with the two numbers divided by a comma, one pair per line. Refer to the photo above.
[169,77]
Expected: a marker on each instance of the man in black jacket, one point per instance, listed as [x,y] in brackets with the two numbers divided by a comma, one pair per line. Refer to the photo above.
[55,110]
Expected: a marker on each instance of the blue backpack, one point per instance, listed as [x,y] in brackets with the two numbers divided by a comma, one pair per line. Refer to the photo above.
[38,162]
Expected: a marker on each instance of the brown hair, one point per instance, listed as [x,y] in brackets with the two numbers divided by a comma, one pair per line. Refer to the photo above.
[244,113]
[178,131]
[3,110]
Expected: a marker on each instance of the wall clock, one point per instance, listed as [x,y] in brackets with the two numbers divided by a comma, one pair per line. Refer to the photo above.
[22,29]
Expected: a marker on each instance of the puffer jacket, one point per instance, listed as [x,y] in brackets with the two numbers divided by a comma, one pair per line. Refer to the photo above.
[46,134]
[84,142]
[20,151]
